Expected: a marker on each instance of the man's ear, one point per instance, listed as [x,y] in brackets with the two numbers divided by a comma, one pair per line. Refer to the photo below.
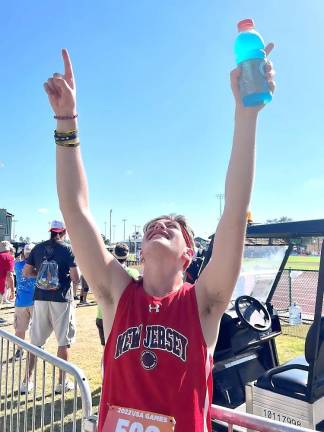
[187,255]
[141,256]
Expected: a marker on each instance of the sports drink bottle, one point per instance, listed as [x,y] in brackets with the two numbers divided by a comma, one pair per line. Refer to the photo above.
[251,58]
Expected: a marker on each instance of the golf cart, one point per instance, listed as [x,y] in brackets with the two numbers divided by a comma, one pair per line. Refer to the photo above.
[246,374]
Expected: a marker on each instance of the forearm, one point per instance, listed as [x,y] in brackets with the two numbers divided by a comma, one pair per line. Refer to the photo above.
[71,180]
[10,282]
[240,173]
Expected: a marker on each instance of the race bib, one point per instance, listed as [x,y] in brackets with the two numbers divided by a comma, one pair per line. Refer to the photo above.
[121,419]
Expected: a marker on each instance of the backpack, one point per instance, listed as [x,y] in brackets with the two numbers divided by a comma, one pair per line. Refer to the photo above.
[47,278]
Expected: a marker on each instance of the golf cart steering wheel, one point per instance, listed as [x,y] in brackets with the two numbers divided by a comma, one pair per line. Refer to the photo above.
[253,313]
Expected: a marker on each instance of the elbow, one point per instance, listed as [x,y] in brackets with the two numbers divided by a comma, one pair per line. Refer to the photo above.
[72,206]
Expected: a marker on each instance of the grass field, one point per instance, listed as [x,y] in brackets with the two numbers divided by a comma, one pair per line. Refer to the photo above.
[289,347]
[303,263]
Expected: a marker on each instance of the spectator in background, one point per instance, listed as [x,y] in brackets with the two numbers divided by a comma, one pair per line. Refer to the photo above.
[25,289]
[75,288]
[7,298]
[84,291]
[53,308]
[13,250]
[121,253]
[7,263]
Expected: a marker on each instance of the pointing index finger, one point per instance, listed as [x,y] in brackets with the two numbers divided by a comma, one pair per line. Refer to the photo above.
[269,48]
[68,71]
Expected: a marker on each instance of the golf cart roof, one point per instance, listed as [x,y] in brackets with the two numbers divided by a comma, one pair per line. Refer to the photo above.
[287,230]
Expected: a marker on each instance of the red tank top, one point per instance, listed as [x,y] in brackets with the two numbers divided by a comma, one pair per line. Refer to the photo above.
[156,358]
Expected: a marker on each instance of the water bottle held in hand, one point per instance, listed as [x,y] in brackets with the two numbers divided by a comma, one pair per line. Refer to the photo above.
[251,58]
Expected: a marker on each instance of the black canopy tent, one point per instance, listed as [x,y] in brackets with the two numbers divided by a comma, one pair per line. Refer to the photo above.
[286,230]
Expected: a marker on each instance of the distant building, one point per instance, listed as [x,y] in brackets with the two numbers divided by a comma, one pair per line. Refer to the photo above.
[199,241]
[5,225]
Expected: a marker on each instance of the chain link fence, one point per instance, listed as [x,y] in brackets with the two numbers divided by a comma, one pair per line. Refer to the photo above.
[296,286]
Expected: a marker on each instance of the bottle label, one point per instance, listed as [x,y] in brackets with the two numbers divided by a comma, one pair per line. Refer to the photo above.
[252,78]
[295,317]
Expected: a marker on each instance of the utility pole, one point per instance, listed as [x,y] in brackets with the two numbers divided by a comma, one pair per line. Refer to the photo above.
[105,230]
[135,238]
[220,197]
[124,220]
[110,212]
[114,231]
[14,228]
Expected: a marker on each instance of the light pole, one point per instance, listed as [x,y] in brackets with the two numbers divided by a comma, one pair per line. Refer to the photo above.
[14,221]
[114,231]
[135,238]
[105,223]
[124,220]
[135,227]
[110,212]
[220,197]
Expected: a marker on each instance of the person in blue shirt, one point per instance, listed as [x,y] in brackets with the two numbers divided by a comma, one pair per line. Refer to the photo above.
[25,288]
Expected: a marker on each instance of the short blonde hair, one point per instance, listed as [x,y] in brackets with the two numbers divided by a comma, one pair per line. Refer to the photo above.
[185,227]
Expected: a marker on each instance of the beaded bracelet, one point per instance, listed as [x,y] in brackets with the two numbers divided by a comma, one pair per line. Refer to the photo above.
[66,117]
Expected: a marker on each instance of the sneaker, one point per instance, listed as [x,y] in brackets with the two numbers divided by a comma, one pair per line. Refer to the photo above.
[67,387]
[26,388]
[83,302]
[76,297]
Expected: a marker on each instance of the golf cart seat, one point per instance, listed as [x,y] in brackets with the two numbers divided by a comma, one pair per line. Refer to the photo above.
[292,378]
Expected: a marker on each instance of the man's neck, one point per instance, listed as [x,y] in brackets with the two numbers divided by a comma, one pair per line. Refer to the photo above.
[159,282]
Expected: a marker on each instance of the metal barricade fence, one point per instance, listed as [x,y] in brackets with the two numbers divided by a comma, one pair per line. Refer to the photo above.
[251,422]
[42,406]
[41,409]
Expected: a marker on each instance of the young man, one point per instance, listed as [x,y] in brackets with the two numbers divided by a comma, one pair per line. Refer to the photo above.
[161,332]
[25,290]
[54,308]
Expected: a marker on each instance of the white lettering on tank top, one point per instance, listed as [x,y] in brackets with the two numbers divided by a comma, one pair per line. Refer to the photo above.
[156,337]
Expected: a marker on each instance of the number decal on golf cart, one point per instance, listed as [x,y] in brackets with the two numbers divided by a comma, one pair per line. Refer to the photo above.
[281,417]
[120,419]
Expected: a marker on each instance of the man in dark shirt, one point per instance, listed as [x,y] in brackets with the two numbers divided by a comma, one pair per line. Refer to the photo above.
[53,307]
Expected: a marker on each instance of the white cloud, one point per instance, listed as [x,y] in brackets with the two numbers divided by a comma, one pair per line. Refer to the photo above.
[314,184]
[2,164]
[42,210]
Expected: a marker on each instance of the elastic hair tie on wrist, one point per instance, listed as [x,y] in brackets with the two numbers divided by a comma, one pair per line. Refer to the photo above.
[66,117]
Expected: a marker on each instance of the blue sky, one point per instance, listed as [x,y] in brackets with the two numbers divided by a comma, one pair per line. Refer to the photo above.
[155,108]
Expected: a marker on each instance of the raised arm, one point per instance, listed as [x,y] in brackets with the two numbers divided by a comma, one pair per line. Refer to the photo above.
[103,273]
[217,281]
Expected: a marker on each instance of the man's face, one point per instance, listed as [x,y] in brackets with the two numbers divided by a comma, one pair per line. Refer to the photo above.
[165,234]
